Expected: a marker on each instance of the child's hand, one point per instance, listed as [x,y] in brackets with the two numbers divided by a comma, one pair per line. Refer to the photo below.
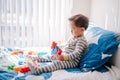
[60,57]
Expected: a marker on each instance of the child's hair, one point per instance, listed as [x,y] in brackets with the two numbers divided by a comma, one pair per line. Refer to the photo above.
[80,20]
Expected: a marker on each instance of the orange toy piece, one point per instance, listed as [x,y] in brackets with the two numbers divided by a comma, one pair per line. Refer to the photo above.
[25,69]
[30,52]
[15,53]
[17,69]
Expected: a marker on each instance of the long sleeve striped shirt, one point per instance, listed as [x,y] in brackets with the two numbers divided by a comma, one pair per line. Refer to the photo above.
[75,48]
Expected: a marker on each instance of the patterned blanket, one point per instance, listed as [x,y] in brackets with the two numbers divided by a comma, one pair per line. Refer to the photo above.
[6,59]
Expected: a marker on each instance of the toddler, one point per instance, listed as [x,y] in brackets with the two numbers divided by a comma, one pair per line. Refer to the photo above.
[74,49]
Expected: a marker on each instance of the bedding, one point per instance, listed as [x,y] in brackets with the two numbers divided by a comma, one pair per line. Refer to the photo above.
[10,57]
[102,44]
[6,59]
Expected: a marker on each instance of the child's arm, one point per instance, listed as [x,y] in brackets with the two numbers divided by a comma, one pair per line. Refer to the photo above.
[81,46]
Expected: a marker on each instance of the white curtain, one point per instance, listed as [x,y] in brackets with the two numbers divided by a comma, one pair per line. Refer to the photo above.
[33,23]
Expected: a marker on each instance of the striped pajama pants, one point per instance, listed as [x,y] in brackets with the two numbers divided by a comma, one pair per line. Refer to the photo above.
[56,65]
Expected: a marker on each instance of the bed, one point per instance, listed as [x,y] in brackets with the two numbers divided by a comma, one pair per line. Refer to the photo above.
[103,67]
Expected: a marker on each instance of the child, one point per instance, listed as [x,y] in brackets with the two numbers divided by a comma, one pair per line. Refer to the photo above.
[74,49]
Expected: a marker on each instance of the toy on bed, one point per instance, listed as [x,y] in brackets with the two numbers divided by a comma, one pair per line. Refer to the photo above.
[17,52]
[25,69]
[55,50]
[22,53]
[10,67]
[22,69]
[20,66]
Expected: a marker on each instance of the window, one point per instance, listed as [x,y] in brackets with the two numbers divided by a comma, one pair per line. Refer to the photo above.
[33,23]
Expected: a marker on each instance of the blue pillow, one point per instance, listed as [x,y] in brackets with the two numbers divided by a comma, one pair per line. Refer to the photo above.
[101,46]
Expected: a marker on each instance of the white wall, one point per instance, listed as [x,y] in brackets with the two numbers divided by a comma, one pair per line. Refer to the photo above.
[104,13]
[82,7]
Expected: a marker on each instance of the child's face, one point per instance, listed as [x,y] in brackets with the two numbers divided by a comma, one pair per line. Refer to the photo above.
[75,30]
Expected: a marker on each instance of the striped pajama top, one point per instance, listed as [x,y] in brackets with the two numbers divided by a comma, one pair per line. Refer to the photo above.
[75,48]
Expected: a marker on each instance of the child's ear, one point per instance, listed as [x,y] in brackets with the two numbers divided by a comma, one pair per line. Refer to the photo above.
[82,29]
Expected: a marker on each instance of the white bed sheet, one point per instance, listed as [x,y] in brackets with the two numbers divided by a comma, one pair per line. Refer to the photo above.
[113,74]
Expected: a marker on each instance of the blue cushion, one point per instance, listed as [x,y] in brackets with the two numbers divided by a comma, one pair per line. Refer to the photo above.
[101,46]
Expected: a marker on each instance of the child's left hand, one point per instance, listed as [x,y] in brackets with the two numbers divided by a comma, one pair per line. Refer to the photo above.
[60,57]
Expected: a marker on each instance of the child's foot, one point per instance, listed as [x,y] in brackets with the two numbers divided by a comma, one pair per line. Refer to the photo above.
[33,68]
